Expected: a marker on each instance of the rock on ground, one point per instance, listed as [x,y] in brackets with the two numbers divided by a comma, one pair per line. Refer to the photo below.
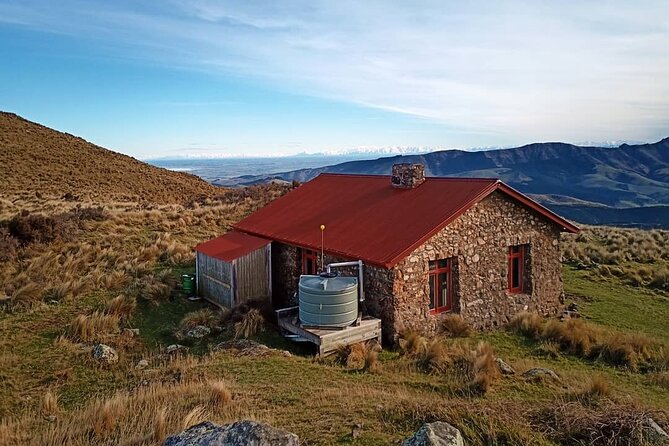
[176,348]
[197,332]
[247,347]
[240,433]
[142,364]
[504,367]
[654,434]
[540,372]
[104,353]
[438,433]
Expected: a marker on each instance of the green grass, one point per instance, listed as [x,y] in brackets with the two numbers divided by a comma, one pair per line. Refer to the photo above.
[610,303]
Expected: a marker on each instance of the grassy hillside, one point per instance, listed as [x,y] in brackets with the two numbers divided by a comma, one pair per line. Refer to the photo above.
[39,164]
[63,296]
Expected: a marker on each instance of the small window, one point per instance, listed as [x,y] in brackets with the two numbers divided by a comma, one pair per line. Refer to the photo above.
[309,264]
[516,259]
[441,285]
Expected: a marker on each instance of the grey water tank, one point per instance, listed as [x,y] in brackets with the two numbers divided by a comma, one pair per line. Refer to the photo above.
[328,301]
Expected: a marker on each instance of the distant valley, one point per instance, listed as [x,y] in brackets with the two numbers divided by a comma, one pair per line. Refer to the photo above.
[626,185]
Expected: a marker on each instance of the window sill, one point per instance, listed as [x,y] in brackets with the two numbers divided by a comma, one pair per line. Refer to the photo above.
[440,311]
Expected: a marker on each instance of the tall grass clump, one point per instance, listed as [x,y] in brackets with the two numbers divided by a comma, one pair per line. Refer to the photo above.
[123,306]
[27,297]
[93,327]
[484,368]
[250,324]
[456,326]
[220,394]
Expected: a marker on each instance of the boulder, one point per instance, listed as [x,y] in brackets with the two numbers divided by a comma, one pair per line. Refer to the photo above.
[176,348]
[104,353]
[240,433]
[540,372]
[197,332]
[438,433]
[504,367]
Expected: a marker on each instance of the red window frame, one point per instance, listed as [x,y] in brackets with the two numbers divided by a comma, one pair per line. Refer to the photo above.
[435,269]
[307,255]
[516,253]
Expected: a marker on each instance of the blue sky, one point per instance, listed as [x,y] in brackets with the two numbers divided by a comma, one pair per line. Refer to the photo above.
[200,77]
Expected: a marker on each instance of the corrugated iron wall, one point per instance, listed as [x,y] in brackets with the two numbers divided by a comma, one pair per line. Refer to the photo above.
[215,280]
[252,275]
[229,284]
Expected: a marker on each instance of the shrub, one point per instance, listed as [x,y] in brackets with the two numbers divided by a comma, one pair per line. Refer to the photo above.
[220,394]
[35,228]
[9,245]
[456,326]
[250,324]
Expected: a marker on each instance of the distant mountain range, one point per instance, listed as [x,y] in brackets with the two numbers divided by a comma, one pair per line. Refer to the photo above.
[624,185]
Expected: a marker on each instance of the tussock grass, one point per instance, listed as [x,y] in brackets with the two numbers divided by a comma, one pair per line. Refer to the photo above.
[122,306]
[27,297]
[455,326]
[93,327]
[205,317]
[484,368]
[251,323]
[579,338]
[220,394]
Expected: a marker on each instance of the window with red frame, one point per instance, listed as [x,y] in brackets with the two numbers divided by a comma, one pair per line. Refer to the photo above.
[516,259]
[440,277]
[309,264]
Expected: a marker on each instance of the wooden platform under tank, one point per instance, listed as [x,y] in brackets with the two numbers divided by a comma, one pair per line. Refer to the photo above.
[329,339]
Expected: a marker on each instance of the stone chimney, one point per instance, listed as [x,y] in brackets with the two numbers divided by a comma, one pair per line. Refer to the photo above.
[407,175]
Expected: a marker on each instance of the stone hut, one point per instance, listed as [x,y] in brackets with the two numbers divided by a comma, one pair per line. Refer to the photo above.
[430,246]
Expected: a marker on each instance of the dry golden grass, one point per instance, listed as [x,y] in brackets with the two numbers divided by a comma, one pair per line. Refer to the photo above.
[455,326]
[122,306]
[251,323]
[579,338]
[205,317]
[93,327]
[220,394]
[412,343]
[484,368]
[49,404]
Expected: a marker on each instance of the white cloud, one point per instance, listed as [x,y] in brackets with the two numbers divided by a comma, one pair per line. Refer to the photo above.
[535,70]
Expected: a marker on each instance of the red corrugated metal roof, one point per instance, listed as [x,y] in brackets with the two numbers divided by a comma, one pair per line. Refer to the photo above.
[366,218]
[231,245]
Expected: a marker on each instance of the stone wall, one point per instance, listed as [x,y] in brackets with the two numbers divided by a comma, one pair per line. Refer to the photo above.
[479,241]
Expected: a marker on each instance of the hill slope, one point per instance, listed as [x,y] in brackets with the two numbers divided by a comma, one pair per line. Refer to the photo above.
[37,159]
[585,182]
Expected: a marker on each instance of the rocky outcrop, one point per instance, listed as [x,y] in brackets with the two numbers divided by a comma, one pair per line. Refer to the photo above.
[240,433]
[438,433]
[104,354]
